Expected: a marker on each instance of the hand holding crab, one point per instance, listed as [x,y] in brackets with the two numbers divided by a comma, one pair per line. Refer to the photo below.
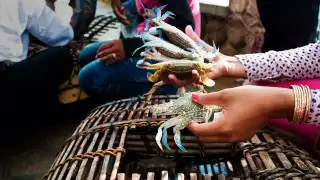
[225,66]
[245,110]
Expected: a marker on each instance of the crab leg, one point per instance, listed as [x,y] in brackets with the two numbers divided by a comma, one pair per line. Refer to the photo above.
[146,65]
[162,131]
[200,87]
[207,81]
[177,138]
[153,77]
[154,89]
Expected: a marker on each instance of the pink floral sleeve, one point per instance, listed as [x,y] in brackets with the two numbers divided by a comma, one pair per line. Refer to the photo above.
[298,63]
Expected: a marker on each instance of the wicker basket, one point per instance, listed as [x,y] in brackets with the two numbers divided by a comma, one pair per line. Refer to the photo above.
[116,141]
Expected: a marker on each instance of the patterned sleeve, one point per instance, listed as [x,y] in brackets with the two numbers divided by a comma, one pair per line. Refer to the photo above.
[298,63]
[314,117]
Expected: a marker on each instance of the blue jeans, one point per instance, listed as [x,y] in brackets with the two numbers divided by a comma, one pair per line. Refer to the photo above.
[119,80]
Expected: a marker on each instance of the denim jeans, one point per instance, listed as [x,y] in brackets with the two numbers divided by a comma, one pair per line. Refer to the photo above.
[115,81]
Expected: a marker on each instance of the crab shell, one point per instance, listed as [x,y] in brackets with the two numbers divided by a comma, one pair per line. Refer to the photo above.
[176,36]
[182,69]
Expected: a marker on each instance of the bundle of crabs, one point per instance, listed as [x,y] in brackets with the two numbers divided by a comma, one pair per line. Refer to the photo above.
[179,56]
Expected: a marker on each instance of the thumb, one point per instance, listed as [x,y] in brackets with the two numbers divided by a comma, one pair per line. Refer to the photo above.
[214,98]
[189,32]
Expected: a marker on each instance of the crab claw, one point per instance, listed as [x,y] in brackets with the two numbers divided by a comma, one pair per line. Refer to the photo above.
[167,15]
[208,82]
[214,48]
[155,30]
[162,135]
[177,138]
[147,23]
[162,7]
[164,138]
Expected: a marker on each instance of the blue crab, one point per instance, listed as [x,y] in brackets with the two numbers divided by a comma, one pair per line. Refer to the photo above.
[166,48]
[186,112]
[181,68]
[179,38]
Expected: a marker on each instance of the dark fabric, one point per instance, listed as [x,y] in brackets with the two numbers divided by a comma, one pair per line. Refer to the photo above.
[288,23]
[83,15]
[183,18]
[130,45]
[29,89]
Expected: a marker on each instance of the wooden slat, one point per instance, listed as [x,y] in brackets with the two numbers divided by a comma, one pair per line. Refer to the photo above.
[135,176]
[283,158]
[121,176]
[193,176]
[164,175]
[150,176]
[180,176]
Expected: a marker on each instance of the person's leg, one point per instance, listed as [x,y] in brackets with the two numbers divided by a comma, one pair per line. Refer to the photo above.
[88,53]
[31,86]
[119,80]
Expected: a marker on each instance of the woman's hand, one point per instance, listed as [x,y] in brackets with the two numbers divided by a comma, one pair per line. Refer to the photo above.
[111,51]
[245,110]
[118,10]
[226,66]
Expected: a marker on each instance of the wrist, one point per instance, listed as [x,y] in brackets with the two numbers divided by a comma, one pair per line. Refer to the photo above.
[235,68]
[283,103]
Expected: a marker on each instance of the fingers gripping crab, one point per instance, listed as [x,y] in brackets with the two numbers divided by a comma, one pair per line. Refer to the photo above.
[187,111]
[181,68]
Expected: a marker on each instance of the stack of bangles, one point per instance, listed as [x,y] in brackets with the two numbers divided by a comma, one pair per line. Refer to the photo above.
[302,101]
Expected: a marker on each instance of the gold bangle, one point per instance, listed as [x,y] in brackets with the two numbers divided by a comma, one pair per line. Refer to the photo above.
[294,88]
[308,104]
[303,102]
[300,104]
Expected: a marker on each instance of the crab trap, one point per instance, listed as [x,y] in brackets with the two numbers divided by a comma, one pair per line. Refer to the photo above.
[117,141]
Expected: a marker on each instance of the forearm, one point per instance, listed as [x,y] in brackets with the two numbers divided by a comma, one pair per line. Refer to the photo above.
[299,63]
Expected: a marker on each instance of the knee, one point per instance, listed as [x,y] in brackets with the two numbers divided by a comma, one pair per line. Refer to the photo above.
[90,78]
[88,53]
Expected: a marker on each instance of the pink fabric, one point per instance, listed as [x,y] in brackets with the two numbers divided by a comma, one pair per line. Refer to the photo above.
[194,5]
[307,134]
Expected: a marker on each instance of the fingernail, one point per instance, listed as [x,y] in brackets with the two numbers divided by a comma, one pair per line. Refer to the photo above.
[195,97]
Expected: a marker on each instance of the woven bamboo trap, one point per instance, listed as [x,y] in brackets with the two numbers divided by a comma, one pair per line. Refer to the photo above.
[116,141]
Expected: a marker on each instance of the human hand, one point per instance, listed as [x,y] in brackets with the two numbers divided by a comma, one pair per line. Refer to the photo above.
[111,51]
[118,10]
[226,66]
[245,110]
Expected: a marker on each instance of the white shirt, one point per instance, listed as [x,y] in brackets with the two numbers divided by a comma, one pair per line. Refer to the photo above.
[18,18]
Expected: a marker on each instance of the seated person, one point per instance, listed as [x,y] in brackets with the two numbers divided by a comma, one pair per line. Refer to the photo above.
[108,68]
[31,80]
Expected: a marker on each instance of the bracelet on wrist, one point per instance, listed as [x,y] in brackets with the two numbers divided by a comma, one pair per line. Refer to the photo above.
[302,101]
